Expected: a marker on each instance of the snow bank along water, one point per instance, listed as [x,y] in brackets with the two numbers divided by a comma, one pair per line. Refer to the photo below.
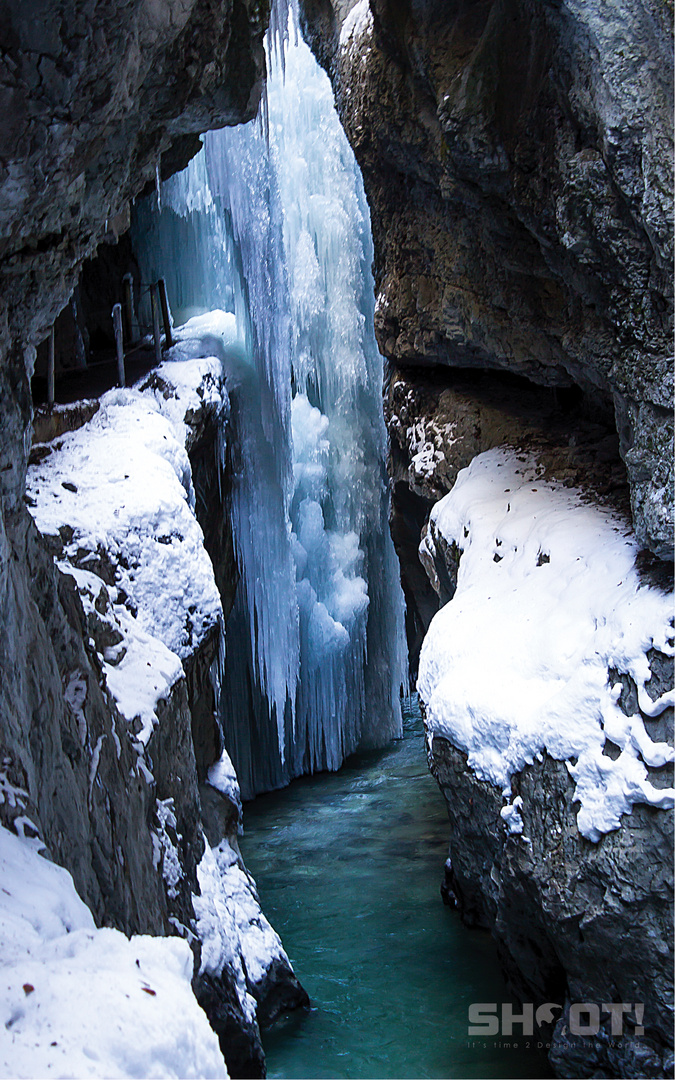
[548,611]
[80,1001]
[274,224]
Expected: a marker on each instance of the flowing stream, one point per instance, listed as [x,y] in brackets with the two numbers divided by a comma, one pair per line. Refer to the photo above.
[348,867]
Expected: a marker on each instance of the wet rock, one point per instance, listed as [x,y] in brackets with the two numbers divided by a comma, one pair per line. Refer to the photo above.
[240,1041]
[278,992]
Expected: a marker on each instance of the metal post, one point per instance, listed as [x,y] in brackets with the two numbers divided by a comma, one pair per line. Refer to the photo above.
[119,342]
[166,316]
[51,365]
[155,324]
[129,313]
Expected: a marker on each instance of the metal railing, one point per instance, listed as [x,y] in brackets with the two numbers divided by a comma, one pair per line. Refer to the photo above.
[128,330]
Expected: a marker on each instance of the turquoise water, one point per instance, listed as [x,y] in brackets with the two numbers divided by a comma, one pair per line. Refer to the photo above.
[348,867]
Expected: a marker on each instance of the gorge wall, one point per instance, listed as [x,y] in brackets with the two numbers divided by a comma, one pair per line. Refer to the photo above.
[516,158]
[98,100]
[93,101]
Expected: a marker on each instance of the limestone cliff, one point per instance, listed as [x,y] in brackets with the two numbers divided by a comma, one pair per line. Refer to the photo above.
[517,160]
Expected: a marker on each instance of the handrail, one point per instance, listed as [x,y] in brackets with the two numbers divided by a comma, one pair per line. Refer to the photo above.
[125,322]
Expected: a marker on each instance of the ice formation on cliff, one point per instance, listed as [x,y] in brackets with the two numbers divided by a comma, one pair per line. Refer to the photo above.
[271,220]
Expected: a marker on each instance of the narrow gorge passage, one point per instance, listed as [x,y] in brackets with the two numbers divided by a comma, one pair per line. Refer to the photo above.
[322,321]
[348,867]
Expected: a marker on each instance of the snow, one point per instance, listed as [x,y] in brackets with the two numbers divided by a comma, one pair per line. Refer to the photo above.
[172,871]
[358,22]
[80,1001]
[425,439]
[511,816]
[230,924]
[548,600]
[134,498]
[143,676]
[223,778]
[132,508]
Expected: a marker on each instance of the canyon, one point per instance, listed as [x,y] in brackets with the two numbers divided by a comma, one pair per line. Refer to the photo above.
[517,161]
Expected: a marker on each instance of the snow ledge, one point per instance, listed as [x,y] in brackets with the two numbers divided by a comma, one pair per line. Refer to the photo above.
[548,602]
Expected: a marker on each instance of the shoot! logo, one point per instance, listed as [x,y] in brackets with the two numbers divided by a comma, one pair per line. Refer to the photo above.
[584,1018]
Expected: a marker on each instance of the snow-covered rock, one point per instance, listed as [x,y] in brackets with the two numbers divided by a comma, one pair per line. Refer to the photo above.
[116,501]
[80,1001]
[549,581]
[547,682]
[117,497]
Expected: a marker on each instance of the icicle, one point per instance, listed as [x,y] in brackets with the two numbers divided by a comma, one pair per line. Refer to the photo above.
[158,186]
[217,670]
[263,117]
[278,35]
[271,222]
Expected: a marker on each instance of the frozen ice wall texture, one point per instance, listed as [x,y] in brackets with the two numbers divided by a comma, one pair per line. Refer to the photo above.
[278,228]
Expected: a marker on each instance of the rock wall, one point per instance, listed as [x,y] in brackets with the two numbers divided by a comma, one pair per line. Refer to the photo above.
[556,903]
[94,97]
[516,157]
[574,921]
[45,655]
[162,809]
[97,99]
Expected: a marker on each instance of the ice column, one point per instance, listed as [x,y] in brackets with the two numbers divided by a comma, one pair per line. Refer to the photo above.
[272,221]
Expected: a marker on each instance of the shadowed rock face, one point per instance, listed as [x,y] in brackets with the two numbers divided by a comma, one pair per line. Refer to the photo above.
[558,906]
[93,96]
[516,157]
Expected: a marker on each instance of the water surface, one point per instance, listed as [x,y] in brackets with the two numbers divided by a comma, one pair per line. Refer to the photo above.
[348,867]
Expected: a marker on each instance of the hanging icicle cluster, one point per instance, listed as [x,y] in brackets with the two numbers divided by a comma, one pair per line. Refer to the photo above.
[275,225]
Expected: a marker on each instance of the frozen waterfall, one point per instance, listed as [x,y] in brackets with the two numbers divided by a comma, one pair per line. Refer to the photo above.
[270,221]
